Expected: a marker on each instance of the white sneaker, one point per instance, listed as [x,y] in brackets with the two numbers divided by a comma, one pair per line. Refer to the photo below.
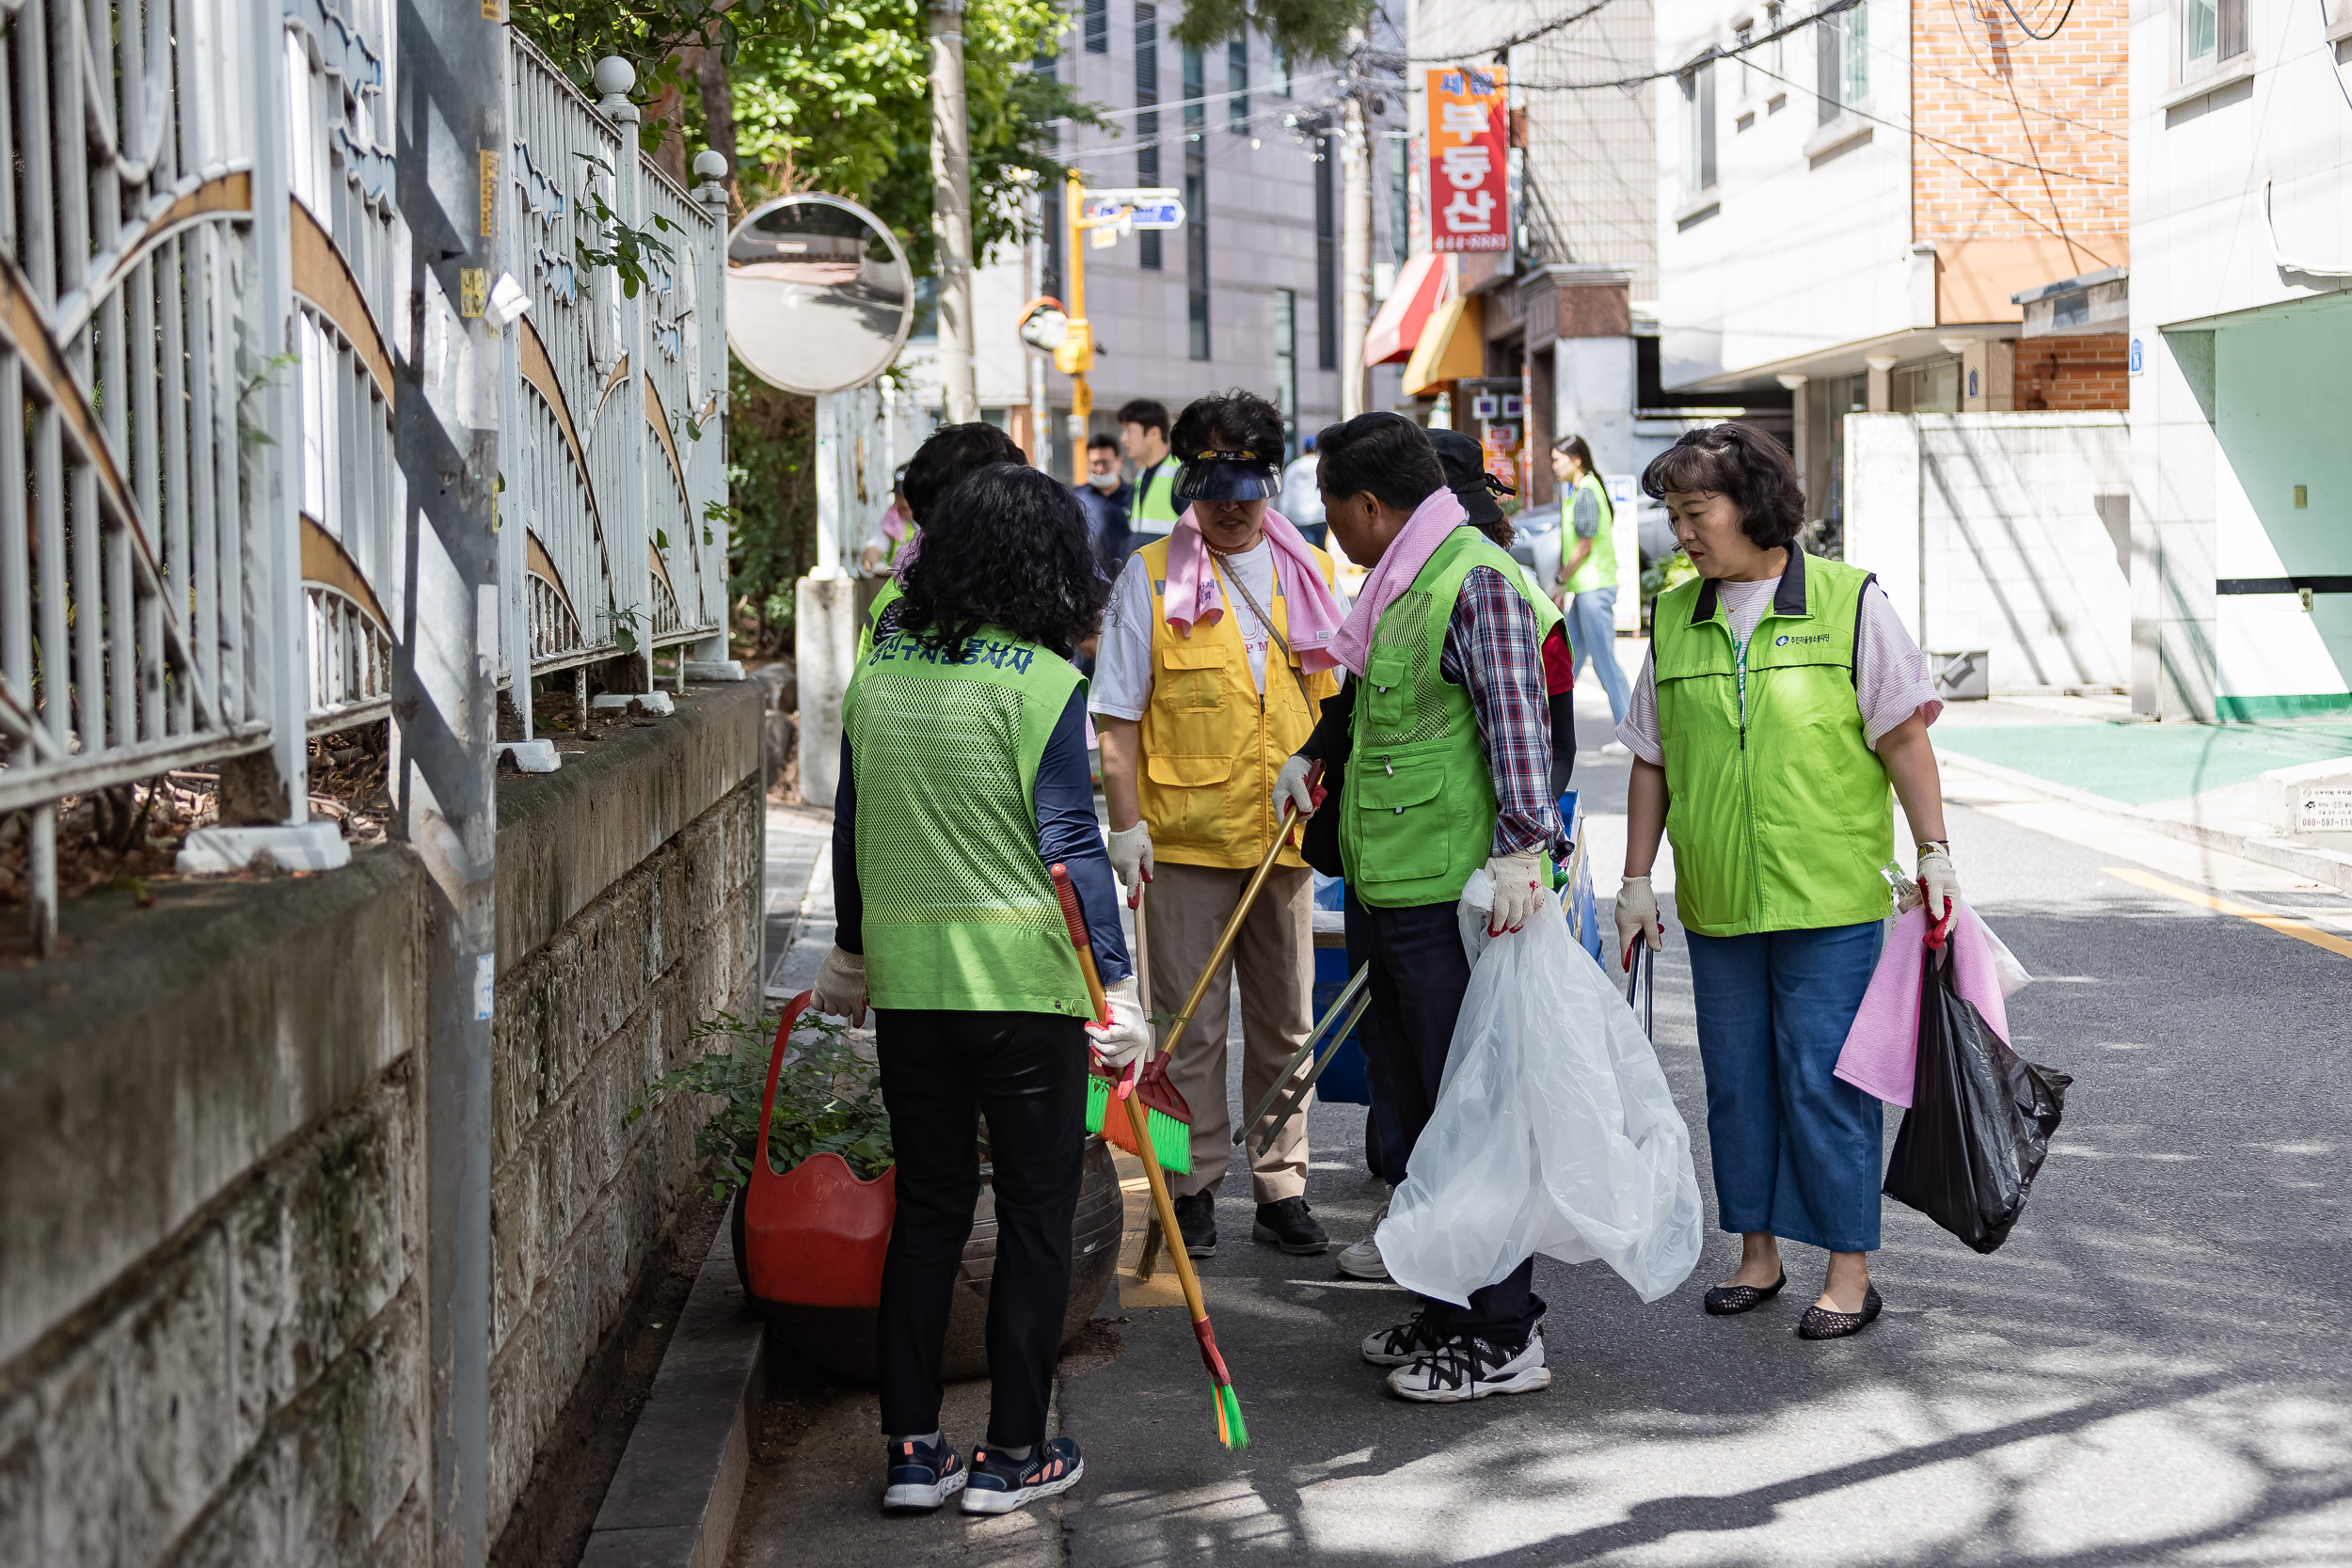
[1362,1260]
[1472,1369]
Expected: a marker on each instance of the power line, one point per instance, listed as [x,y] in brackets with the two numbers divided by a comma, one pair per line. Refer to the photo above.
[1963,147]
[2038,38]
[1507,45]
[1714,51]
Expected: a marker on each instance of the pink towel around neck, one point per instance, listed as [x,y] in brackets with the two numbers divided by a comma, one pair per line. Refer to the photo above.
[1882,1049]
[1193,595]
[1439,514]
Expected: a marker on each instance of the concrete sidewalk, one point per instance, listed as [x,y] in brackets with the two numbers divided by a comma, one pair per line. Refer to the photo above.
[2192,782]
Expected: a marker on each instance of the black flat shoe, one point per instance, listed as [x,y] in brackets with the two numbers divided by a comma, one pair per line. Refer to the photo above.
[1725,1301]
[1819,1322]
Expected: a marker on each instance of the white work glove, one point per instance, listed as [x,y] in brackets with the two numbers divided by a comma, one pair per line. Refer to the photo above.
[1131,857]
[840,988]
[1637,918]
[1129,1035]
[1939,882]
[1290,787]
[1519,890]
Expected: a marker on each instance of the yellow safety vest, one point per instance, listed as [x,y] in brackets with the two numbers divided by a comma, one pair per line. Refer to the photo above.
[1212,745]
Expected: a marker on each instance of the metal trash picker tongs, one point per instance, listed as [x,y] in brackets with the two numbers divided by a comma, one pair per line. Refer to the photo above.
[1356,991]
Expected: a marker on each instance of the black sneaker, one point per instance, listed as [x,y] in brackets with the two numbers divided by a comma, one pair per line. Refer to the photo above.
[1001,1483]
[1406,1343]
[1470,1368]
[922,1475]
[1196,1216]
[1290,1224]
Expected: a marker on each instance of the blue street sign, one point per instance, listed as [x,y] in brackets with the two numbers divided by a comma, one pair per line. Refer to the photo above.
[1159,214]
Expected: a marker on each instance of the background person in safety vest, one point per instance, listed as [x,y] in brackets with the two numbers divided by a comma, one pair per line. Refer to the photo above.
[1143,436]
[1588,568]
[1211,669]
[963,778]
[1448,753]
[1781,697]
[939,465]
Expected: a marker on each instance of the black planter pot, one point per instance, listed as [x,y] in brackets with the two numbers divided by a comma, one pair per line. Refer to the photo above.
[840,1339]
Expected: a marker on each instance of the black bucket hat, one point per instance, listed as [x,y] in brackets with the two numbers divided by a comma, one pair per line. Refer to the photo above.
[1465,464]
[1229,476]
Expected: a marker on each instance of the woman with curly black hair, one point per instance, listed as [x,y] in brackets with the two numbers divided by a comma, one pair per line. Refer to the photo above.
[963,778]
[1781,697]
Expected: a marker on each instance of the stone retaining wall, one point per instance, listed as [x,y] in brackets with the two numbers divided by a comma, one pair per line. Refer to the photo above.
[212,1189]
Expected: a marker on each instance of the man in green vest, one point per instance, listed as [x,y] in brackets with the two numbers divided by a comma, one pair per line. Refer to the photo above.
[1447,736]
[963,782]
[938,466]
[1588,568]
[1143,436]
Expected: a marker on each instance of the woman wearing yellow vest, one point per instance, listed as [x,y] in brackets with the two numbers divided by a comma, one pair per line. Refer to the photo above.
[964,779]
[1587,593]
[1211,670]
[1781,698]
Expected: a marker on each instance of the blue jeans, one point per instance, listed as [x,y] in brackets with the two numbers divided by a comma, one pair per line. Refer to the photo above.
[1796,1150]
[1593,634]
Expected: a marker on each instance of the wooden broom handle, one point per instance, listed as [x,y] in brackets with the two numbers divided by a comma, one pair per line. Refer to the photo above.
[1233,926]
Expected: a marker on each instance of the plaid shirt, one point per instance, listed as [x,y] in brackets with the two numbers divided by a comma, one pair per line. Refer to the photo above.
[1490,651]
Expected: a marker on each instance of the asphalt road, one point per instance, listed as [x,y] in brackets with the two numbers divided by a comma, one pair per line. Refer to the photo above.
[2153,1370]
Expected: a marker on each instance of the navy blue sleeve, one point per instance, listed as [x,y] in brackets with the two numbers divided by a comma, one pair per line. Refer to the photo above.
[1069,833]
[849,903]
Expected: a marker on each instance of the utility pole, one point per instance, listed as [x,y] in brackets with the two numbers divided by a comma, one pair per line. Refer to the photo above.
[451,183]
[1355,235]
[951,212]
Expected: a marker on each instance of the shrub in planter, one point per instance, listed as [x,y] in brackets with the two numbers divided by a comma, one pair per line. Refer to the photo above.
[810,1254]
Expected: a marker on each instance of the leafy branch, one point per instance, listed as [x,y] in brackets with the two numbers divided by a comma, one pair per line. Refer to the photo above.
[629,249]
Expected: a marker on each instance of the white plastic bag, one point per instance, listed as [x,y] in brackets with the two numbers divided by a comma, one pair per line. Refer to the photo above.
[1554,1130]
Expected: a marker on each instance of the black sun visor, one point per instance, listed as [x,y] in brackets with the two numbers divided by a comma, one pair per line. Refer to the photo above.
[1229,476]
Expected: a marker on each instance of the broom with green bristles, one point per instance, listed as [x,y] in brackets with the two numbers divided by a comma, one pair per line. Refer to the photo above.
[1167,1120]
[1230,1428]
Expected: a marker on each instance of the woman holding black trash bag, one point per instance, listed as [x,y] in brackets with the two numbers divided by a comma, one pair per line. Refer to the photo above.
[1781,698]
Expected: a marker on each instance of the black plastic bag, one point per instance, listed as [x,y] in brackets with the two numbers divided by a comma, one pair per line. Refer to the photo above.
[1979,1122]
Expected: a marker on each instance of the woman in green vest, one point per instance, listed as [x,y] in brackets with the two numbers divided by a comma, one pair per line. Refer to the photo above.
[1587,593]
[964,779]
[1781,698]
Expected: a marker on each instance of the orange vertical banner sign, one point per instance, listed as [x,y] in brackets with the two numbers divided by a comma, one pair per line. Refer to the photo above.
[1468,173]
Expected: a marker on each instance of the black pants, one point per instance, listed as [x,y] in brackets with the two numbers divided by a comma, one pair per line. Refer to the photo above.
[1419,976]
[941,1072]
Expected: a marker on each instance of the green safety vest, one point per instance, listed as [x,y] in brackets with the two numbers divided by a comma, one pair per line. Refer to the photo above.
[1418,808]
[884,596]
[1154,509]
[1600,567]
[1778,809]
[960,914]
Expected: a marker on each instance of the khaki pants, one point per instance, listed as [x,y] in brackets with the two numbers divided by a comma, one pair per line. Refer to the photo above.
[1185,911]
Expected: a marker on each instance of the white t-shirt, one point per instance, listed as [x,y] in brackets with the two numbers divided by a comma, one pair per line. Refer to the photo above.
[1122,660]
[1891,678]
[1302,495]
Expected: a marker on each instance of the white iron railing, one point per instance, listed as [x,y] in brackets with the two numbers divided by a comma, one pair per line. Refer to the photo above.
[203,294]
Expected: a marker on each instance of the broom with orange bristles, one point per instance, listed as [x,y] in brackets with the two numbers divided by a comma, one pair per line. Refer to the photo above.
[1229,1430]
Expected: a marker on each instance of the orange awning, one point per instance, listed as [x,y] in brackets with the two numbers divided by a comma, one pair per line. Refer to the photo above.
[1397,328]
[1452,346]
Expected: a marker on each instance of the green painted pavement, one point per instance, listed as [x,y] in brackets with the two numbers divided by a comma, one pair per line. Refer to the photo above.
[2141,763]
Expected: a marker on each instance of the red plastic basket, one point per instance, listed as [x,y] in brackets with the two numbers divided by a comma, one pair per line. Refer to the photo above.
[816,1235]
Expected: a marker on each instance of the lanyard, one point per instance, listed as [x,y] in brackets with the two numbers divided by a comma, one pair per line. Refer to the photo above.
[1267,621]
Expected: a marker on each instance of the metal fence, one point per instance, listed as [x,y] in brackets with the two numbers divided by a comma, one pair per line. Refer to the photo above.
[203,281]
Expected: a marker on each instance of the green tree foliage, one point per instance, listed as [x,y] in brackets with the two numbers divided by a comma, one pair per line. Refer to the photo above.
[1303,29]
[846,108]
[652,34]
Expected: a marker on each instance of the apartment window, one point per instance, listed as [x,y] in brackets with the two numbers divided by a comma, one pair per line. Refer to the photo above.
[1929,388]
[1327,260]
[1286,367]
[1196,203]
[1098,26]
[1050,216]
[2212,31]
[1741,37]
[1279,66]
[1237,84]
[1148,122]
[1842,43]
[1699,118]
[1771,26]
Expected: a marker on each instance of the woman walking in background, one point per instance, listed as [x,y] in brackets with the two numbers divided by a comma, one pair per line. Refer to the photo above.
[1781,697]
[963,778]
[1587,592]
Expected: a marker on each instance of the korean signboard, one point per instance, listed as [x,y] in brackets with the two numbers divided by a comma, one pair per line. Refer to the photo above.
[1468,175]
